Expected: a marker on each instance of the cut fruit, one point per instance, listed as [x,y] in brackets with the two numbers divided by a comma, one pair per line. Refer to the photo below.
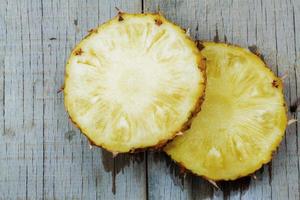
[134,82]
[242,119]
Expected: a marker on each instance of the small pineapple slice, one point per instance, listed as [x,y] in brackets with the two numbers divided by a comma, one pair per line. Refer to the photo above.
[242,119]
[134,82]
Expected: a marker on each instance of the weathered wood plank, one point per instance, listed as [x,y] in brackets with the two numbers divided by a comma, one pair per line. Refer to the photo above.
[42,156]
[285,182]
[71,169]
[171,185]
[21,139]
[295,82]
[271,26]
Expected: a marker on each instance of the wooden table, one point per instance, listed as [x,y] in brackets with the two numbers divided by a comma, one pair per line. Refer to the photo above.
[42,156]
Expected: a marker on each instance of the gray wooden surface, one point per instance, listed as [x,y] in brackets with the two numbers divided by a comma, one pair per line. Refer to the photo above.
[42,156]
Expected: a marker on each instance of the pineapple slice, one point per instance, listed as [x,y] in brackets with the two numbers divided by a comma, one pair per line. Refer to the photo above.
[134,82]
[242,119]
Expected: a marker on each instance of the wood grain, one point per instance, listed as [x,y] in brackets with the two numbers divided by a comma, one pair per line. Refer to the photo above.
[42,156]
[272,27]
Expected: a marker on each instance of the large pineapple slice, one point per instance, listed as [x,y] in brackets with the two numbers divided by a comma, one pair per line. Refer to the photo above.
[242,119]
[134,82]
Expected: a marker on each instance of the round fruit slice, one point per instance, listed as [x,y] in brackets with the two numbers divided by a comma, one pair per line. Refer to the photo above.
[242,119]
[134,82]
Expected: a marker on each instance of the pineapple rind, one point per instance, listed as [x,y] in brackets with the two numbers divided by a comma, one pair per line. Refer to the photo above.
[114,144]
[212,163]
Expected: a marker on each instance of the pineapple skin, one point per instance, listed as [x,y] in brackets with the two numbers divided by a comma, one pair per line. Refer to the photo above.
[193,112]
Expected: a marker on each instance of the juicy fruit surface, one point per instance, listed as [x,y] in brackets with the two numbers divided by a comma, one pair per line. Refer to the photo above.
[242,119]
[133,82]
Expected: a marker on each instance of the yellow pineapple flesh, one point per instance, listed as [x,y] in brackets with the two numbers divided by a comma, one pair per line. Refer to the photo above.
[242,119]
[133,82]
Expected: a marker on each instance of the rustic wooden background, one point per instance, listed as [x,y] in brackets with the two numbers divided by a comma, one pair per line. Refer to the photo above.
[42,156]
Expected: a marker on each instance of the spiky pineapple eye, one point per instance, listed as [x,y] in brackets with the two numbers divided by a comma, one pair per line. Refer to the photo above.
[78,52]
[120,18]
[158,22]
[200,46]
[275,83]
[242,119]
[132,83]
